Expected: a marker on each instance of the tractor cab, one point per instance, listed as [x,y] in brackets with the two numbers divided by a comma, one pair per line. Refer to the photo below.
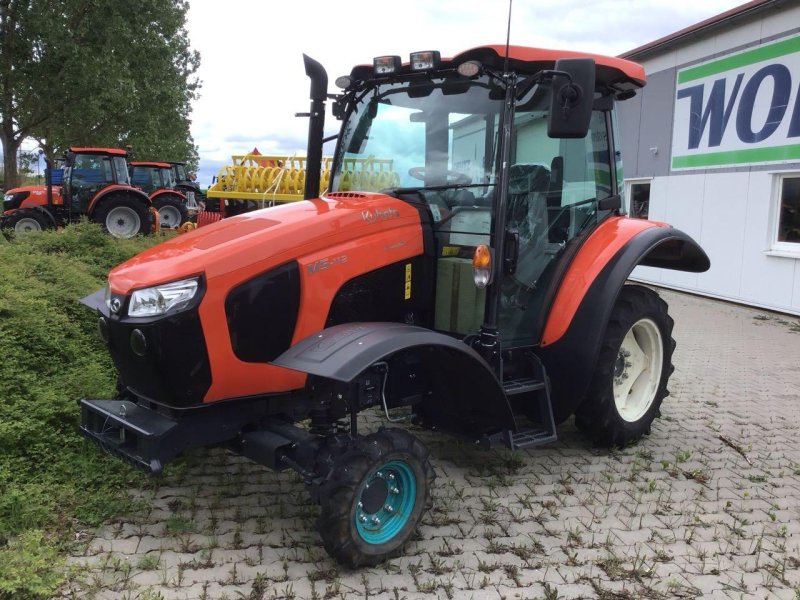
[511,167]
[88,171]
[152,176]
[186,183]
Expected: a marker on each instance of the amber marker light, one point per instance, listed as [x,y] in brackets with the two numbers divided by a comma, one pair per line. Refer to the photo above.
[482,266]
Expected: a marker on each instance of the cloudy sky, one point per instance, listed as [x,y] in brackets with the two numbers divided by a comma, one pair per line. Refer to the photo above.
[251,51]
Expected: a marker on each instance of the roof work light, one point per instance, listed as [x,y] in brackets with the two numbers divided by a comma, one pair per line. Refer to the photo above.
[386,65]
[424,61]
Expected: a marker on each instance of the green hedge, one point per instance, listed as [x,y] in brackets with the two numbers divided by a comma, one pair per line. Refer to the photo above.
[51,480]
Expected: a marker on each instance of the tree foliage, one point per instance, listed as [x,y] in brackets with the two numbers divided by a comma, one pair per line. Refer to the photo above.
[96,73]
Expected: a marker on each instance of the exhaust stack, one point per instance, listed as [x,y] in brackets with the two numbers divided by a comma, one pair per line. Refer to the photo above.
[316,125]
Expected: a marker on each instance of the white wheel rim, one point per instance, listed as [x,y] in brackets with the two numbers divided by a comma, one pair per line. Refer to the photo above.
[123,222]
[637,371]
[170,216]
[26,225]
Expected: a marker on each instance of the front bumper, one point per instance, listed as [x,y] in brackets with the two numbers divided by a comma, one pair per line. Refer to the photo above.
[148,439]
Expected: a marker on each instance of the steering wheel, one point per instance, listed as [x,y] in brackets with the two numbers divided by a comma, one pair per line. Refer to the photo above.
[453,177]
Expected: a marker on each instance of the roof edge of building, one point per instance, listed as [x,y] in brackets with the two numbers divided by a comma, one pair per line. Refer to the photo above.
[673,39]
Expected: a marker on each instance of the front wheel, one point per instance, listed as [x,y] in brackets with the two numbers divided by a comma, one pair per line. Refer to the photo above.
[27,220]
[123,216]
[374,496]
[632,372]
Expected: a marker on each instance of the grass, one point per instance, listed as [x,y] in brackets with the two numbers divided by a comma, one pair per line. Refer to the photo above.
[51,481]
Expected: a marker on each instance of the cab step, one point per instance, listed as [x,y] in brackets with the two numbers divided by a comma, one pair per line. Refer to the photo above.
[522,386]
[528,438]
[543,432]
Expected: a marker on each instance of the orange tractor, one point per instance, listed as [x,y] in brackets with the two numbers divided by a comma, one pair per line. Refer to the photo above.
[157,180]
[483,294]
[95,184]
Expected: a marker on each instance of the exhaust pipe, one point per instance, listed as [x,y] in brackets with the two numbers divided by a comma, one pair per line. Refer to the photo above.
[48,180]
[316,125]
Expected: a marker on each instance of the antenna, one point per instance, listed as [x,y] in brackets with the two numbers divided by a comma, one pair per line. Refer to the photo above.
[508,37]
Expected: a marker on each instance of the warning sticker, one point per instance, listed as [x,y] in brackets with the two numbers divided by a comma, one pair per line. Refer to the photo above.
[408,282]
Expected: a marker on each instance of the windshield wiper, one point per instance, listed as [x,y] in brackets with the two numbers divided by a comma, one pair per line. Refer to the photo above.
[433,188]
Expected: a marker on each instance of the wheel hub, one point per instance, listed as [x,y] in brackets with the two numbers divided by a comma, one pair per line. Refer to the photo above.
[637,370]
[374,496]
[385,502]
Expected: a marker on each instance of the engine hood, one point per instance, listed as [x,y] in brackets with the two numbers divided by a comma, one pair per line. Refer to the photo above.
[261,239]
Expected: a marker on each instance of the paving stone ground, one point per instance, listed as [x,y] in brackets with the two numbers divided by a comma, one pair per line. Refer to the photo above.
[706,506]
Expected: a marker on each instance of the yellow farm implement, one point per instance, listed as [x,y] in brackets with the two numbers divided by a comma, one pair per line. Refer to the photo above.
[278,179]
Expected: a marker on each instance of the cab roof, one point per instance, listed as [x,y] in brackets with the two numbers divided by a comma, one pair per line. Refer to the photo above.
[150,163]
[114,151]
[609,71]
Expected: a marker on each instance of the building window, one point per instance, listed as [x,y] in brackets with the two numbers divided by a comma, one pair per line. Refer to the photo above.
[638,192]
[786,236]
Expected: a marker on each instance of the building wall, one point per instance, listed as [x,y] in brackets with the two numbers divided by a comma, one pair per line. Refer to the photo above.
[729,210]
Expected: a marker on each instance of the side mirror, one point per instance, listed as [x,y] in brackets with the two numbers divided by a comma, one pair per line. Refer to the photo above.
[571,100]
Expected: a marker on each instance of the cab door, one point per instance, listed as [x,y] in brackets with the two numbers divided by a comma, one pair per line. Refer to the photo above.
[554,189]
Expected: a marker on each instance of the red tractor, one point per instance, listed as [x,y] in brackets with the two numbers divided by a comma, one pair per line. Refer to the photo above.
[157,180]
[95,183]
[485,295]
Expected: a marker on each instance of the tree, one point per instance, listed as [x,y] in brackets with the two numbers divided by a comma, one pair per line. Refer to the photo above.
[96,73]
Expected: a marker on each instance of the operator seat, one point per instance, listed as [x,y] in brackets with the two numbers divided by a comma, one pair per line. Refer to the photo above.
[527,213]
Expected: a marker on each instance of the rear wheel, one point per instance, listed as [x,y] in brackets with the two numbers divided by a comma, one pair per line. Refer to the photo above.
[27,220]
[632,372]
[171,210]
[374,496]
[123,216]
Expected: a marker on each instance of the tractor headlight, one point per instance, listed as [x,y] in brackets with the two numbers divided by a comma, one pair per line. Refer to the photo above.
[161,299]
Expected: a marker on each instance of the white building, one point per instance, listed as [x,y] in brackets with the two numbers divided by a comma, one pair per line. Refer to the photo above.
[712,146]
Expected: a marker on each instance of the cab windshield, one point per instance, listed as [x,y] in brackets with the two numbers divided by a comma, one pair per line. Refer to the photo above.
[423,134]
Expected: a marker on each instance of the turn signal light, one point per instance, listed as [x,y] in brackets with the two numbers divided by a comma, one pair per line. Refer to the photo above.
[482,266]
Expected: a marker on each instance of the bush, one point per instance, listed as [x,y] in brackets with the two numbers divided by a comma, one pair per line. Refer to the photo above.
[51,355]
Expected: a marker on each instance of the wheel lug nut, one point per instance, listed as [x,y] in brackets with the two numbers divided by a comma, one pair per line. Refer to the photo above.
[388,508]
[360,504]
[391,476]
[394,490]
[379,474]
[362,518]
[376,521]
[628,365]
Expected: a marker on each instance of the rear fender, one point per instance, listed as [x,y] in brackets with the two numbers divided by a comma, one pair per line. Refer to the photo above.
[112,189]
[163,193]
[460,391]
[580,313]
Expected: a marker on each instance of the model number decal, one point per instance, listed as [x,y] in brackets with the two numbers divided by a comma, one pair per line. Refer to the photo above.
[324,263]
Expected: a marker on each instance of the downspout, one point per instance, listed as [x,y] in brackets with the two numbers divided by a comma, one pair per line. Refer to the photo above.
[316,125]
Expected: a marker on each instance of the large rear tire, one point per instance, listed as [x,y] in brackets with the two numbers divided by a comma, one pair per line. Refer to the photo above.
[123,216]
[171,210]
[373,497]
[632,372]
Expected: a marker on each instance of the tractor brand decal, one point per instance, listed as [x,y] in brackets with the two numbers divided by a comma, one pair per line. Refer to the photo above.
[324,263]
[739,109]
[407,293]
[378,214]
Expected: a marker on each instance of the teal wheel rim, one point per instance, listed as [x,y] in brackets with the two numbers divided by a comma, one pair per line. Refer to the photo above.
[385,501]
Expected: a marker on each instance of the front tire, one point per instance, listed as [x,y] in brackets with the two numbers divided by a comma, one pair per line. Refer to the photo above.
[373,497]
[632,372]
[27,220]
[123,216]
